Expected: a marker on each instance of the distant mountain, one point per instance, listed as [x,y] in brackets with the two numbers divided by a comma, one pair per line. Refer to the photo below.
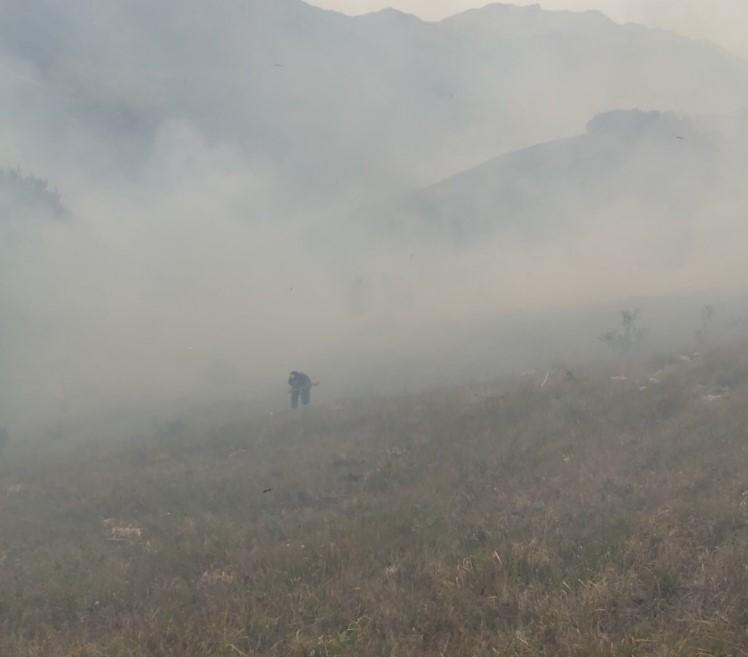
[335,106]
[628,164]
[640,204]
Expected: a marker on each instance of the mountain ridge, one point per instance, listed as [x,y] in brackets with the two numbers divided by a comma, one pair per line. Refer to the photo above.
[350,108]
[552,186]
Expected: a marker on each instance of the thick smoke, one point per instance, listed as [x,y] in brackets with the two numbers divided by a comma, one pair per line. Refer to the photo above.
[265,186]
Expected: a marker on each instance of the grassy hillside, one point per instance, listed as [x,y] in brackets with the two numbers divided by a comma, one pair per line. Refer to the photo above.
[592,517]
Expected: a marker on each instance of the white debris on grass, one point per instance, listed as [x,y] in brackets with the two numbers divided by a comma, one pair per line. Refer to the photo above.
[127,533]
[216,577]
[716,394]
[122,532]
[391,571]
[395,452]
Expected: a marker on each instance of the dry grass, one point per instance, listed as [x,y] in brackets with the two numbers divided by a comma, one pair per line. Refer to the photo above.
[590,518]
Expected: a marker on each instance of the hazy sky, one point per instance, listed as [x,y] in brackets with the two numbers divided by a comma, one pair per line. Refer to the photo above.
[722,21]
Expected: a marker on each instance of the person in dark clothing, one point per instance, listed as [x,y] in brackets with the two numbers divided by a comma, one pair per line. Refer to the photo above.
[301,388]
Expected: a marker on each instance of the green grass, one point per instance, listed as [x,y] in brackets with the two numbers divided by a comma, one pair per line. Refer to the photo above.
[589,518]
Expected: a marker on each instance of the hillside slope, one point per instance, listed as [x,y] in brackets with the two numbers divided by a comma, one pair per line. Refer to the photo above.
[592,517]
[643,203]
[667,169]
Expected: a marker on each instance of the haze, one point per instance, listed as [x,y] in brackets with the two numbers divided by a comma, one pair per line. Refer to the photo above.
[359,336]
[196,202]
